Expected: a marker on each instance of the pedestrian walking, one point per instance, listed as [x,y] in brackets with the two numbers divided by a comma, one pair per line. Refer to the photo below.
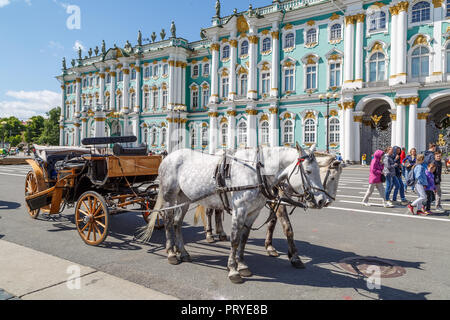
[375,178]
[430,189]
[421,182]
[408,164]
[398,186]
[364,160]
[389,172]
[429,154]
[438,180]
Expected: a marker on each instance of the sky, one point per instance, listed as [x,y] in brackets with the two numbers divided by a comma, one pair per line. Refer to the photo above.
[35,35]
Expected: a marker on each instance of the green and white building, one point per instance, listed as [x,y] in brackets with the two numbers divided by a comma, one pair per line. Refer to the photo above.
[257,78]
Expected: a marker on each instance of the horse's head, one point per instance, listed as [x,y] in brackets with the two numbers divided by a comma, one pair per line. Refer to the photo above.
[303,177]
[331,173]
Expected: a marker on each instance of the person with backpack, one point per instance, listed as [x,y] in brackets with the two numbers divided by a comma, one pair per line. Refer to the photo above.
[398,176]
[438,180]
[429,154]
[375,178]
[420,180]
[389,173]
[408,164]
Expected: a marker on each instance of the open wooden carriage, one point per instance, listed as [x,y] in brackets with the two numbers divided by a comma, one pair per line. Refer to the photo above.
[97,185]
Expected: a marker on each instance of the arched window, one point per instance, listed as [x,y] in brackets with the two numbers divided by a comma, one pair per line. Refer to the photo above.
[311,36]
[265,82]
[226,52]
[243,85]
[165,96]
[194,137]
[265,133]
[153,137]
[206,69]
[195,98]
[225,87]
[163,136]
[334,130]
[336,32]
[266,45]
[377,21]
[155,99]
[145,136]
[204,137]
[420,62]
[242,134]
[146,100]
[205,96]
[289,40]
[224,134]
[165,69]
[420,12]
[288,132]
[195,71]
[447,53]
[310,131]
[133,74]
[133,100]
[244,48]
[377,67]
[147,72]
[156,71]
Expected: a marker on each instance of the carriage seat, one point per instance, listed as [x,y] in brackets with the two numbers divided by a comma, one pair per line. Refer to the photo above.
[135,151]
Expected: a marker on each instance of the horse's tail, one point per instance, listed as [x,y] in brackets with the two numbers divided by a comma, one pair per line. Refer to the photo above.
[145,233]
[200,213]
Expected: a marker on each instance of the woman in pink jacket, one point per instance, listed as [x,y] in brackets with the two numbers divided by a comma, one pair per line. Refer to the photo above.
[376,170]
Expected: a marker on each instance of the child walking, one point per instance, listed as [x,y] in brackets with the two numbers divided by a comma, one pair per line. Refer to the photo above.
[430,189]
[376,170]
[438,180]
[421,182]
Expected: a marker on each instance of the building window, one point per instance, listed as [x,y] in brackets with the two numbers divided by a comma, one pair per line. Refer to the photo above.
[243,88]
[97,81]
[334,131]
[244,48]
[147,72]
[204,137]
[265,133]
[335,74]
[155,99]
[205,97]
[155,71]
[133,100]
[266,45]
[206,69]
[194,138]
[448,8]
[288,132]
[336,32]
[420,62]
[145,136]
[146,101]
[165,69]
[108,78]
[311,77]
[120,76]
[377,21]
[289,40]
[289,79]
[242,134]
[225,86]
[311,36]
[224,133]
[133,74]
[194,98]
[153,137]
[226,52]
[107,102]
[91,81]
[84,83]
[420,12]
[310,131]
[163,136]
[377,67]
[195,71]
[265,82]
[164,97]
[119,102]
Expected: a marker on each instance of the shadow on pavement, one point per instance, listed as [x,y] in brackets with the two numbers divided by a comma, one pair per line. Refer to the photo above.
[5,205]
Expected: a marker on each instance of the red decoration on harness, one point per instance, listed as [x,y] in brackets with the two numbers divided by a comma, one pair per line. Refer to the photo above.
[300,161]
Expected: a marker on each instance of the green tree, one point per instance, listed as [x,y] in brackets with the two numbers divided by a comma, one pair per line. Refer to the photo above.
[34,129]
[11,130]
[50,133]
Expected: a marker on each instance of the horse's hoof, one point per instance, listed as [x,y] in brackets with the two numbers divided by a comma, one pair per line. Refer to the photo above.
[298,264]
[272,252]
[173,260]
[246,273]
[223,238]
[236,278]
[210,239]
[186,258]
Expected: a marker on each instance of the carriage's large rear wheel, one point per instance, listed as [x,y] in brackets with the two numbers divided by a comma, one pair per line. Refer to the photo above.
[92,218]
[31,187]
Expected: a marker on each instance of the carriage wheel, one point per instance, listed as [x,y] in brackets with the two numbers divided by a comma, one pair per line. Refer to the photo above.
[31,187]
[92,218]
[150,205]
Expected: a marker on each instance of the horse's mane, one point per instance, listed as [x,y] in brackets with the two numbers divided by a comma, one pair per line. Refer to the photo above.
[324,159]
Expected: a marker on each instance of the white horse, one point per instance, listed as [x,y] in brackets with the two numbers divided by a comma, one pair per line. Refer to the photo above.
[188,177]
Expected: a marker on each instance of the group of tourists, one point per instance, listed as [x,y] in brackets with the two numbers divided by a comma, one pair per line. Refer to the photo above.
[422,173]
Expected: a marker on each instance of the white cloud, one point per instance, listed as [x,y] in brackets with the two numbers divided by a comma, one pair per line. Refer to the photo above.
[4,3]
[78,45]
[26,104]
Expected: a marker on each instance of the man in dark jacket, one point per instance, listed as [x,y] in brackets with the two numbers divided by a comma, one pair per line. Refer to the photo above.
[429,155]
[438,179]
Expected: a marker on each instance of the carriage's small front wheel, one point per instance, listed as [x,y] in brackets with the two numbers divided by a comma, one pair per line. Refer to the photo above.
[31,187]
[92,218]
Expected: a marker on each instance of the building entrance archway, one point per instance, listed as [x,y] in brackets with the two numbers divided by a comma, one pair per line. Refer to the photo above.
[438,122]
[376,136]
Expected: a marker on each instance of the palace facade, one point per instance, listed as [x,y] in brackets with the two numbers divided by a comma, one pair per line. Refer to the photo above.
[363,74]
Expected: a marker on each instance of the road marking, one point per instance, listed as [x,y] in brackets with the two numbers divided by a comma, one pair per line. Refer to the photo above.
[360,202]
[390,214]
[12,174]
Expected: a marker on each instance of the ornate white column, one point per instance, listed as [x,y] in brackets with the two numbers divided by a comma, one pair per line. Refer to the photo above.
[215,47]
[171,98]
[61,133]
[412,127]
[125,125]
[231,129]
[171,135]
[77,133]
[138,68]
[178,87]
[275,74]
[394,41]
[84,119]
[112,92]
[359,50]
[349,131]
[401,118]
[126,89]
[253,71]
[342,130]
[252,129]
[233,62]
[402,26]
[357,118]
[394,128]
[422,118]
[100,119]
[348,50]
[213,132]
[183,84]
[274,137]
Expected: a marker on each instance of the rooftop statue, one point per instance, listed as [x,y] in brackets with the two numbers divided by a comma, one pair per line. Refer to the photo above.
[173,30]
[218,9]
[163,34]
[139,39]
[96,51]
[79,54]
[64,64]
[153,36]
[90,52]
[103,47]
